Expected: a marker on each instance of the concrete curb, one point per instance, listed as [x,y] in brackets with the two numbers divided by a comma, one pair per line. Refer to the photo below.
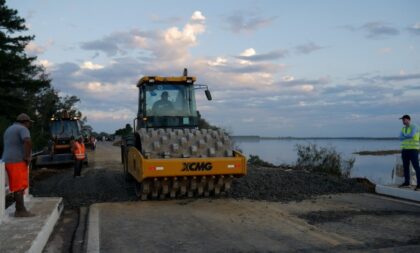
[30,234]
[402,193]
[93,243]
[41,240]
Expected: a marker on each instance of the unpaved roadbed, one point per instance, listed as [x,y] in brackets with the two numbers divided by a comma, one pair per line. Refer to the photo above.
[273,184]
[96,185]
[359,222]
[103,182]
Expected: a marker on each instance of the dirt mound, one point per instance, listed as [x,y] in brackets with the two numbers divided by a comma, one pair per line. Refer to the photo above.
[279,184]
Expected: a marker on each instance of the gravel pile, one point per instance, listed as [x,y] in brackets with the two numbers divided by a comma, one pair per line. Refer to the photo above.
[280,184]
[261,183]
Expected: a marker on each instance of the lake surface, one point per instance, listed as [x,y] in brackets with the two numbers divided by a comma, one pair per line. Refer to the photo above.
[377,169]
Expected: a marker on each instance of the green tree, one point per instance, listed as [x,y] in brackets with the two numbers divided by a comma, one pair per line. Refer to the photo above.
[204,124]
[22,82]
[124,131]
[20,78]
[24,85]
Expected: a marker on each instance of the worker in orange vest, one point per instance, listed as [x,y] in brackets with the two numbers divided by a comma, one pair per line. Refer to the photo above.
[78,149]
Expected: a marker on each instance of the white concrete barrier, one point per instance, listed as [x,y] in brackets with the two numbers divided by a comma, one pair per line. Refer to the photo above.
[398,173]
[2,190]
[401,193]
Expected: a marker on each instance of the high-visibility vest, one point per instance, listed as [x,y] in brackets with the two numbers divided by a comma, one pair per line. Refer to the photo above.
[412,143]
[79,150]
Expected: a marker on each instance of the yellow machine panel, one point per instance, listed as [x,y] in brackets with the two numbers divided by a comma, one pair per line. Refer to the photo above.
[142,168]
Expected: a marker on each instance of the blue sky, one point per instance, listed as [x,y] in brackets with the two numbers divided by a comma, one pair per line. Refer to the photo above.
[275,68]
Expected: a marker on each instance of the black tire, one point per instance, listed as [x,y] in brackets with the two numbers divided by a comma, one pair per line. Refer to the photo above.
[138,190]
[127,176]
[129,141]
[122,153]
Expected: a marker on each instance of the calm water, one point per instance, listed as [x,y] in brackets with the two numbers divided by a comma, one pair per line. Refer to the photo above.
[378,169]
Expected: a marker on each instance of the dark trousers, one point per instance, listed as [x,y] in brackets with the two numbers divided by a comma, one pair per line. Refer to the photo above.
[77,168]
[410,155]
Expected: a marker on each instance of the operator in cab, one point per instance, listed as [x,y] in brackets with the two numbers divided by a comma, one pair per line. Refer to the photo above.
[163,106]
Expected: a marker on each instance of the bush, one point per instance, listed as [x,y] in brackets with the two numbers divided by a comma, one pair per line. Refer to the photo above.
[323,160]
[256,160]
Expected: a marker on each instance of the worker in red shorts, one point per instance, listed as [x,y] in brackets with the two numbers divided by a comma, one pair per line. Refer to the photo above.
[17,157]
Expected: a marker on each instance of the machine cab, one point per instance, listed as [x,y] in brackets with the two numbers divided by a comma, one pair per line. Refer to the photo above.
[167,102]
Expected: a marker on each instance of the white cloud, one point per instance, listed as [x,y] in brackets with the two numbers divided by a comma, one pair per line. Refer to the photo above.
[46,64]
[187,35]
[97,87]
[91,66]
[107,91]
[198,16]
[307,87]
[34,49]
[171,46]
[248,52]
[416,26]
[189,32]
[112,114]
[288,78]
[139,41]
[219,61]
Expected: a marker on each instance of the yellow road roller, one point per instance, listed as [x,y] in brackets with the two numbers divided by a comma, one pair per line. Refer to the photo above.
[168,155]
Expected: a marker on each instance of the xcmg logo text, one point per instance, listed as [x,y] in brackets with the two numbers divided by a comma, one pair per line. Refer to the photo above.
[197,166]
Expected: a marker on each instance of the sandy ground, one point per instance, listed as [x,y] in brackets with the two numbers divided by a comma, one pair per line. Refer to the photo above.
[332,222]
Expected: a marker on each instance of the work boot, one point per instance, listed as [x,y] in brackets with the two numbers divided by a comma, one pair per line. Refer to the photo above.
[20,206]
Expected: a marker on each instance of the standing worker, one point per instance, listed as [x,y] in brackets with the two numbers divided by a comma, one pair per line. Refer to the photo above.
[17,157]
[93,142]
[78,149]
[410,150]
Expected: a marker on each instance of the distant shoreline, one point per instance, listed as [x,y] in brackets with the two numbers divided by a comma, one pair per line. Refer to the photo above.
[257,137]
[379,152]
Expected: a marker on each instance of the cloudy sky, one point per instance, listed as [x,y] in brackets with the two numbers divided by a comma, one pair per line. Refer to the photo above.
[275,68]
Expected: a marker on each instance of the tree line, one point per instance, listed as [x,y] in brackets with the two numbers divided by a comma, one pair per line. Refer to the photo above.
[24,85]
